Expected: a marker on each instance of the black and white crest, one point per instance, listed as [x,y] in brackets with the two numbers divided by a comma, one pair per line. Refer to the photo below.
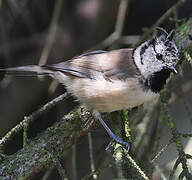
[156,59]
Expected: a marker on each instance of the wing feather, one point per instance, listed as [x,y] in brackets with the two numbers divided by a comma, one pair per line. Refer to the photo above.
[116,64]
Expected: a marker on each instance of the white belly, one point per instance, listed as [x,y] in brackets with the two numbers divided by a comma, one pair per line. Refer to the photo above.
[108,96]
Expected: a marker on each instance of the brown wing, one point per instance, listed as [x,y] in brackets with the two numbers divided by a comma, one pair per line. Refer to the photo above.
[113,64]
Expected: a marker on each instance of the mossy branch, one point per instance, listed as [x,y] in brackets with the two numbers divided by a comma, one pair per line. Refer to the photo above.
[41,152]
[28,119]
[182,42]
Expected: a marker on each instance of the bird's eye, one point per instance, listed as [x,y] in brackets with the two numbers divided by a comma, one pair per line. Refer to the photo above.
[159,56]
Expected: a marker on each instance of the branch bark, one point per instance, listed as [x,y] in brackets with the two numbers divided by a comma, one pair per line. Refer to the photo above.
[39,153]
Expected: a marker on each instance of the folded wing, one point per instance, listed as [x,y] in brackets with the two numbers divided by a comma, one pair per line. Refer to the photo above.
[117,64]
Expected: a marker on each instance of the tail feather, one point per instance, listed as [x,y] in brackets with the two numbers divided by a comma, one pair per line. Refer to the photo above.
[26,70]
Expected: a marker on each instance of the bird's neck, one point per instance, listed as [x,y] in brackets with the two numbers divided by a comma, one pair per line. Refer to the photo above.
[157,80]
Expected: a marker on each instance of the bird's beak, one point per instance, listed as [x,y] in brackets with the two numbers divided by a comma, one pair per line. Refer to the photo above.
[172,68]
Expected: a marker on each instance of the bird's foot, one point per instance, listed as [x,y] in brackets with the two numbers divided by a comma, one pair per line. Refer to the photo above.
[117,139]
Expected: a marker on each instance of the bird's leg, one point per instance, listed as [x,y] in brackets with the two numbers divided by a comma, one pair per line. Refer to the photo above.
[111,134]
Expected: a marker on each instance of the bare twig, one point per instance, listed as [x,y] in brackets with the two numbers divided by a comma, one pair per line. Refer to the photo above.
[128,40]
[92,163]
[48,173]
[98,171]
[51,33]
[74,160]
[121,17]
[118,26]
[50,39]
[172,9]
[162,150]
[188,109]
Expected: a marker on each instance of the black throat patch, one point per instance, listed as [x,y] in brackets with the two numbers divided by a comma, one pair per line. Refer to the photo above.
[157,80]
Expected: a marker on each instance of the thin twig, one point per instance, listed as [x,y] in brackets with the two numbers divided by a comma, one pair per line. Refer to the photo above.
[92,163]
[159,171]
[134,164]
[50,39]
[161,19]
[188,109]
[25,128]
[186,135]
[74,160]
[30,118]
[118,26]
[48,173]
[51,33]
[121,16]
[58,165]
[162,150]
[177,140]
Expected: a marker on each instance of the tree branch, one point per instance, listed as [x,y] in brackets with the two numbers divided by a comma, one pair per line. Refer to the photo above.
[39,153]
[51,33]
[28,119]
[161,19]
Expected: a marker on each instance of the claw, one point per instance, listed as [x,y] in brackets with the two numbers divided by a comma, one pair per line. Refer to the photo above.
[117,139]
[108,148]
[120,141]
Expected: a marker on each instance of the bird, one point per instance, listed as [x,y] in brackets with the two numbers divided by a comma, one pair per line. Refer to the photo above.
[107,81]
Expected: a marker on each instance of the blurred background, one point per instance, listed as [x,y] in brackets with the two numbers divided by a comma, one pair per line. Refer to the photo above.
[41,32]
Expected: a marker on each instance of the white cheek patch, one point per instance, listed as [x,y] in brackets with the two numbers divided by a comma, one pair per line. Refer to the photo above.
[159,48]
[144,60]
[150,63]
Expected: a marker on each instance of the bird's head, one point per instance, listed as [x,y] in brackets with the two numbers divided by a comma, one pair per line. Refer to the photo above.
[157,54]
